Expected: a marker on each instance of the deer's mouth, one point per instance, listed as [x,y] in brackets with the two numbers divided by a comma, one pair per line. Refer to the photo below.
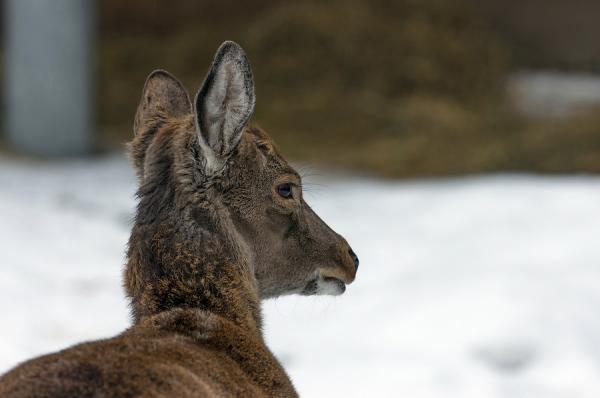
[330,285]
[324,285]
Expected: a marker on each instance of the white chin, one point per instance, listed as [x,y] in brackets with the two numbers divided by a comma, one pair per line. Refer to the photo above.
[330,287]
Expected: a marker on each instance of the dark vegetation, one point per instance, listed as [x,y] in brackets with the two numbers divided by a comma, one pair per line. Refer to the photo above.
[394,88]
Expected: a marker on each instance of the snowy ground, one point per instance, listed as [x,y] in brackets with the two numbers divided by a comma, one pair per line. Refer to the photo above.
[474,287]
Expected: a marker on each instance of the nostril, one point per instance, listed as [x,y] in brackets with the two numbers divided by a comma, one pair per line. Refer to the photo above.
[354,257]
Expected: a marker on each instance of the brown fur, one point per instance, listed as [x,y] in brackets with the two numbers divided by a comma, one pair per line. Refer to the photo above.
[204,250]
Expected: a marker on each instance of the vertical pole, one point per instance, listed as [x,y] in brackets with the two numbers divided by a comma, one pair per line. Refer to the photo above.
[49,76]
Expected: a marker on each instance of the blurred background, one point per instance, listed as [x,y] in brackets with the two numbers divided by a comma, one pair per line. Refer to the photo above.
[456,144]
[395,88]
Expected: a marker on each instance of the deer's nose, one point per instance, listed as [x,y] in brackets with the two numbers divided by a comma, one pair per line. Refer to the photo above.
[354,257]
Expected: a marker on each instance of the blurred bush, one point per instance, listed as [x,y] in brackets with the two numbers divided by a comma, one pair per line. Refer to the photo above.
[403,88]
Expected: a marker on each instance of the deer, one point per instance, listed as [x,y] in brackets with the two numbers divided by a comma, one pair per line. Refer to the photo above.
[221,224]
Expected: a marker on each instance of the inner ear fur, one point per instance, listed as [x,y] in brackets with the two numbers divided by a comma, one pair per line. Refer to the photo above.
[224,104]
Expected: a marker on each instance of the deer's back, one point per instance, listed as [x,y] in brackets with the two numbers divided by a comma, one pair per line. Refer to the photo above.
[149,363]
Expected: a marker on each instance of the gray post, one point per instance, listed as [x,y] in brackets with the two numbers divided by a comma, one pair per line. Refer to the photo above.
[49,76]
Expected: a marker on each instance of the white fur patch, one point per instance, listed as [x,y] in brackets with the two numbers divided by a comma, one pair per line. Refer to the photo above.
[212,163]
[329,287]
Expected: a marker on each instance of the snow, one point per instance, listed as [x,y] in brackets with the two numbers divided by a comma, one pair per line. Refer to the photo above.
[483,286]
[551,94]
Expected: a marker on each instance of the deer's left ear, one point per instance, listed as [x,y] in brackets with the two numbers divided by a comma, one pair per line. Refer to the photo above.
[224,105]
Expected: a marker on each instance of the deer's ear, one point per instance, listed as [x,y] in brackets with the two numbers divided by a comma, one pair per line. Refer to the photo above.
[224,105]
[163,96]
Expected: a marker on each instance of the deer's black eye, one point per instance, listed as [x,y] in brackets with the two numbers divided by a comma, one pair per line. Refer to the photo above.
[285,191]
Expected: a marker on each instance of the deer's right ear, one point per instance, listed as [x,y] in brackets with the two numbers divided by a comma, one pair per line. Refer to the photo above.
[224,105]
[163,96]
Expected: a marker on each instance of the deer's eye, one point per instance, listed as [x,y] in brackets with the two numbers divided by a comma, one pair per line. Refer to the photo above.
[285,191]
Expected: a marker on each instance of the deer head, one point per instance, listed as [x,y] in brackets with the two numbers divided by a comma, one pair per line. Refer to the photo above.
[217,181]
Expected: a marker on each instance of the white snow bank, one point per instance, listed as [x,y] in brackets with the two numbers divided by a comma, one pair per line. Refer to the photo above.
[474,287]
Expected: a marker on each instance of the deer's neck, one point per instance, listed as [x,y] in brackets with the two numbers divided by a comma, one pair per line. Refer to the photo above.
[174,265]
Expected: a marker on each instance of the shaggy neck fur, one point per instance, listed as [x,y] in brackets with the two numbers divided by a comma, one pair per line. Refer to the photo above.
[184,251]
